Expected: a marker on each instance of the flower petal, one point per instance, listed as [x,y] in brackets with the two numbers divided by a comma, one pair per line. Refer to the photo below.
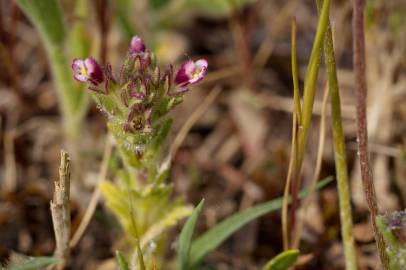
[94,70]
[185,73]
[190,68]
[202,64]
[80,77]
[77,64]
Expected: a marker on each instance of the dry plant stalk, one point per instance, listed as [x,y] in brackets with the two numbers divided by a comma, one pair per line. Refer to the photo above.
[297,115]
[292,160]
[60,210]
[95,196]
[316,176]
[362,133]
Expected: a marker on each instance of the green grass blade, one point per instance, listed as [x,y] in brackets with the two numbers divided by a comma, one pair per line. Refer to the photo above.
[32,263]
[47,17]
[296,89]
[122,262]
[311,80]
[217,235]
[185,238]
[283,260]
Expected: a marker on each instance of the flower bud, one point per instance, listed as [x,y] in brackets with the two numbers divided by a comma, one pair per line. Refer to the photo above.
[137,45]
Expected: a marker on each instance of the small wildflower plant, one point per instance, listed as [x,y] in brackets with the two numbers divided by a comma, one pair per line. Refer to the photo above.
[137,103]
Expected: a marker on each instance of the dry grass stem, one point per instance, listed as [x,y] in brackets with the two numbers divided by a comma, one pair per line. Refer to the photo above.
[177,142]
[10,180]
[316,176]
[285,224]
[60,210]
[95,196]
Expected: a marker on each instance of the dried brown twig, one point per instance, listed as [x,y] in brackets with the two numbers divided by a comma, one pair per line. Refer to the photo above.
[362,132]
[60,211]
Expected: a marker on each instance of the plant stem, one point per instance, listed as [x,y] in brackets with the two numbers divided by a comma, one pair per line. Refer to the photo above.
[285,204]
[311,79]
[339,152]
[297,115]
[308,100]
[362,132]
[60,211]
[319,160]
[296,90]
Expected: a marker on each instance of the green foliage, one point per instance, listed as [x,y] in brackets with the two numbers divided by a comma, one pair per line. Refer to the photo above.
[283,260]
[157,4]
[78,37]
[185,238]
[392,16]
[151,207]
[212,239]
[122,262]
[396,21]
[393,229]
[370,10]
[311,80]
[339,147]
[32,263]
[217,8]
[47,17]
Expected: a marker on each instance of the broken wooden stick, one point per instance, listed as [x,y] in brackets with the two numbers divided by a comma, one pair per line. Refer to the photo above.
[60,211]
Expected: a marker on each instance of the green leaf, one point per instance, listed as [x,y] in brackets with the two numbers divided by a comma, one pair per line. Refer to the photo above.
[283,261]
[157,4]
[78,41]
[185,238]
[122,262]
[33,263]
[217,8]
[154,210]
[311,81]
[47,17]
[218,234]
[162,132]
[169,219]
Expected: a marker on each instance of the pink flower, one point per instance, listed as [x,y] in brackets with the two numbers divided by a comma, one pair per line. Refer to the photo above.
[191,72]
[137,45]
[87,70]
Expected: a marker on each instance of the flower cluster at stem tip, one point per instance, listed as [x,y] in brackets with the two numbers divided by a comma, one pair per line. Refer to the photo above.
[141,93]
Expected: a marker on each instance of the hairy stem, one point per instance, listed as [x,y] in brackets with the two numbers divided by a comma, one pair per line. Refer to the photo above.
[362,133]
